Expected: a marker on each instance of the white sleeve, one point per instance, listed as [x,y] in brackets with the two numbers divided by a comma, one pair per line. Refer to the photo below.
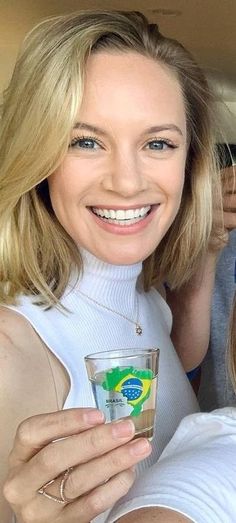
[196,473]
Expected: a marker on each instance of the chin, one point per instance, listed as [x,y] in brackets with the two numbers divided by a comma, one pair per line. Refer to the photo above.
[122,258]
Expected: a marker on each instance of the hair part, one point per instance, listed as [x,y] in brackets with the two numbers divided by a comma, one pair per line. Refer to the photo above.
[38,113]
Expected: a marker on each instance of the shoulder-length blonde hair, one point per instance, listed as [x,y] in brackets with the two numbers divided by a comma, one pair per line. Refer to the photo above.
[38,113]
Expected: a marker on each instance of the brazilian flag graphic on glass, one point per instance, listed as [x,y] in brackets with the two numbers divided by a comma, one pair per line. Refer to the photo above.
[133,384]
[124,383]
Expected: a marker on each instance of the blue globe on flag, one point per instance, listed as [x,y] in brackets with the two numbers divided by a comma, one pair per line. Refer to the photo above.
[133,384]
[132,388]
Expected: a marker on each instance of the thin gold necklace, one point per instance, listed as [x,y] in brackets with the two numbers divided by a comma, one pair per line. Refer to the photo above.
[138,328]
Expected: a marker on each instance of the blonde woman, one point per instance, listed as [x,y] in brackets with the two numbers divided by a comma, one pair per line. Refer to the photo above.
[107,185]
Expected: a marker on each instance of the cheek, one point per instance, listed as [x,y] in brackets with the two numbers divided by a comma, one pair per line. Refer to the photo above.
[61,194]
[178,187]
[63,185]
[173,184]
[169,174]
[177,177]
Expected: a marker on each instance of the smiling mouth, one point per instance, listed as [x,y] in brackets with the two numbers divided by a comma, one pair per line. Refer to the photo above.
[123,217]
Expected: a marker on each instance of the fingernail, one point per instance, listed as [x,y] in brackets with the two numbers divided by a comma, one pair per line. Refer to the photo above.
[122,429]
[93,416]
[139,447]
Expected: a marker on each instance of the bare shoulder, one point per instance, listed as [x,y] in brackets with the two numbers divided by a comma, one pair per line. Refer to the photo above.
[20,348]
[24,368]
[15,332]
[17,335]
[28,367]
[26,384]
[12,323]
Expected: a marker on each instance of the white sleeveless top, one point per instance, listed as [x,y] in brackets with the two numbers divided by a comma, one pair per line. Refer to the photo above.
[88,327]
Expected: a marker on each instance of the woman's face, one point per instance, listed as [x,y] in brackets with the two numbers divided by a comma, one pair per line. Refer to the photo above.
[119,188]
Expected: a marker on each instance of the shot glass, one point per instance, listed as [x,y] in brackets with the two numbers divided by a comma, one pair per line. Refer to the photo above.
[124,384]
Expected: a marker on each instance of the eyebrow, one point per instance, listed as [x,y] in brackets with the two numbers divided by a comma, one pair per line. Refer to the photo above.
[164,127]
[153,129]
[88,127]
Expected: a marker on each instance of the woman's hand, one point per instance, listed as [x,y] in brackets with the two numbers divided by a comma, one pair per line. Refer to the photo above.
[101,456]
[224,222]
[229,197]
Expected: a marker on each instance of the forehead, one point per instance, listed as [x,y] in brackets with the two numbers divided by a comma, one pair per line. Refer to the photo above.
[123,85]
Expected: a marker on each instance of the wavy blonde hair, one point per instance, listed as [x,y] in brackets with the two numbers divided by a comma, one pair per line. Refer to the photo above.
[38,113]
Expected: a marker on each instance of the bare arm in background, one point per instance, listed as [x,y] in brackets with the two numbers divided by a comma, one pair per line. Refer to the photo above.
[191,305]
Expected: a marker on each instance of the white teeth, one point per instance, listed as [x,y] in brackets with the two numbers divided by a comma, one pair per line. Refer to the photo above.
[130,214]
[143,211]
[121,214]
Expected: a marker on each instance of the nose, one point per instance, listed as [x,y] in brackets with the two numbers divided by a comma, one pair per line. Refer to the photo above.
[125,175]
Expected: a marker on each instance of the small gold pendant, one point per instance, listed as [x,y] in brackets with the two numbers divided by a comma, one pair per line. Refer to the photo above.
[138,329]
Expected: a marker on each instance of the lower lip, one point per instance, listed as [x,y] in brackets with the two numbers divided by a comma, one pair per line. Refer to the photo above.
[125,229]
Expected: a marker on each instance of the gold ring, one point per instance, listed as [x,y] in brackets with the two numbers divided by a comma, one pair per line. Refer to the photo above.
[62,498]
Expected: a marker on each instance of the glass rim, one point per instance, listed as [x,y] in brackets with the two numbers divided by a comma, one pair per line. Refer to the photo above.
[121,353]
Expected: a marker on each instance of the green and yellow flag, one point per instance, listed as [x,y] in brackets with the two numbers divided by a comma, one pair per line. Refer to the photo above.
[134,384]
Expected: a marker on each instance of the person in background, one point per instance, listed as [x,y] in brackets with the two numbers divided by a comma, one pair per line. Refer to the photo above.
[216,388]
[201,309]
[107,148]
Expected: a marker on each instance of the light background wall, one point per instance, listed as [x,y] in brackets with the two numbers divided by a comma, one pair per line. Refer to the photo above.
[206,27]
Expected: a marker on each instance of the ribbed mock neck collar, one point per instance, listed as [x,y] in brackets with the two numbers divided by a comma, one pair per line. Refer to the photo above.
[110,285]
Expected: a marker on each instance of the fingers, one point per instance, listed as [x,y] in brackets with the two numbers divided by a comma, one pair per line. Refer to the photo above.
[36,432]
[82,479]
[228,179]
[59,455]
[100,499]
[56,457]
[101,456]
[86,508]
[229,197]
[229,203]
[230,211]
[230,220]
[85,478]
[102,453]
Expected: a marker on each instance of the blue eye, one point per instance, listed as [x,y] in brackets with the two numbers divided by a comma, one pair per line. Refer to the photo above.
[84,142]
[160,145]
